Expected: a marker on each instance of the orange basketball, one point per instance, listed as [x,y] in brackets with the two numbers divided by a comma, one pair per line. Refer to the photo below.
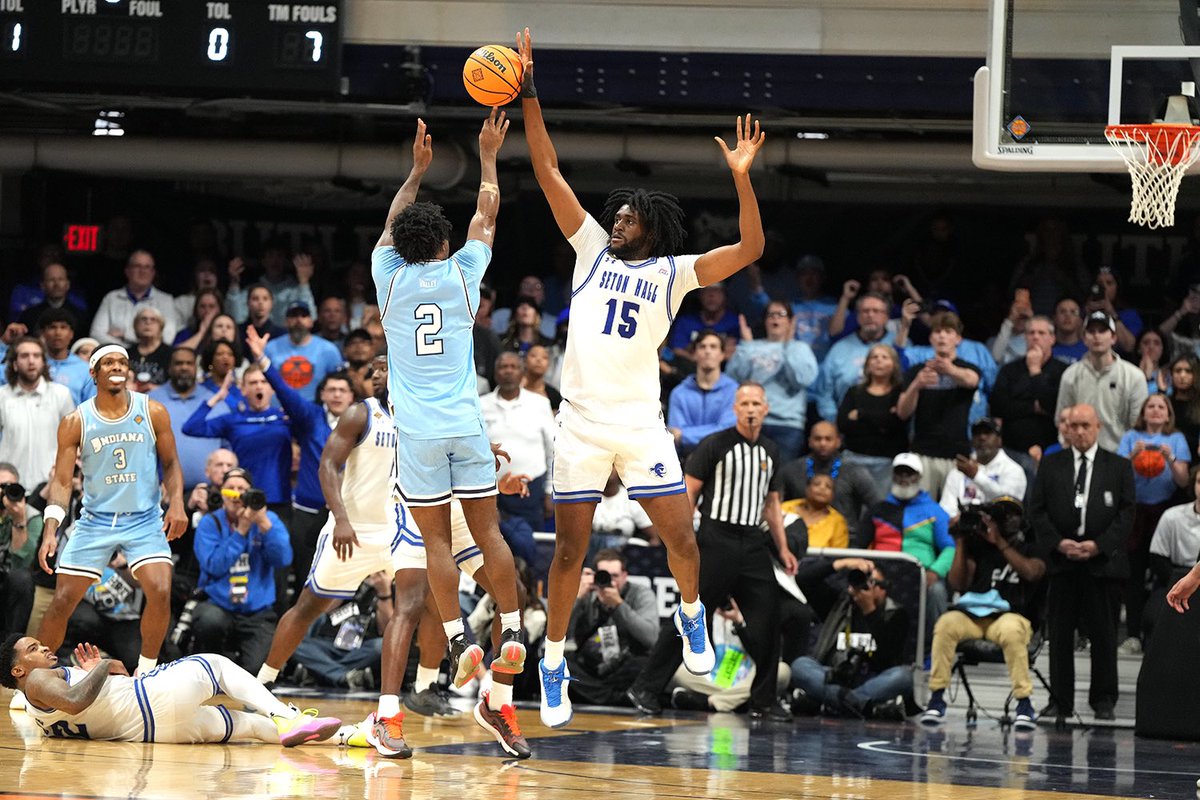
[492,75]
[1149,463]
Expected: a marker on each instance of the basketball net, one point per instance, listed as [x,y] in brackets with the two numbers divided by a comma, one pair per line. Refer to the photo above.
[1158,155]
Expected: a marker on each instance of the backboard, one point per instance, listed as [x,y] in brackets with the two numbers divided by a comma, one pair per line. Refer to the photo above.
[1059,71]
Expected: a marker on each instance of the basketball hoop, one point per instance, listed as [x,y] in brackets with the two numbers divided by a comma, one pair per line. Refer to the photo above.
[1157,155]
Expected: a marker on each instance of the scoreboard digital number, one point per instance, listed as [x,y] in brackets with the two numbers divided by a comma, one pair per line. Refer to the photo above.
[197,46]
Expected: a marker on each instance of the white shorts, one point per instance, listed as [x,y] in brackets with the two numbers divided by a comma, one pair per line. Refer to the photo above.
[380,548]
[410,553]
[585,453]
[174,694]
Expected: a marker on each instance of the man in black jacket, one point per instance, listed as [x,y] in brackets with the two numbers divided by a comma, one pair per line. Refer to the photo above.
[863,671]
[1026,394]
[1082,513]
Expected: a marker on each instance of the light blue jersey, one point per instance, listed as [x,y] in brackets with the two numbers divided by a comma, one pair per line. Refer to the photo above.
[120,460]
[428,311]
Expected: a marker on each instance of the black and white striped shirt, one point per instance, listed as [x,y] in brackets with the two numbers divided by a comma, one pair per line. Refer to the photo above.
[737,474]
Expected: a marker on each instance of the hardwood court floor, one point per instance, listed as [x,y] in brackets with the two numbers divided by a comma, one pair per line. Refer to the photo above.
[719,756]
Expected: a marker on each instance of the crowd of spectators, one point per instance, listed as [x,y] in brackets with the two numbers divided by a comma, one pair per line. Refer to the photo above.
[890,428]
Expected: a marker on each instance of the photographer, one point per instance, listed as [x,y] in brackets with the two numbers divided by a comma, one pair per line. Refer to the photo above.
[238,546]
[20,537]
[344,647]
[1000,580]
[614,624]
[857,665]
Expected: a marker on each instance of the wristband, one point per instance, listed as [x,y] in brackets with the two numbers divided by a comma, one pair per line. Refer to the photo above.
[488,186]
[54,512]
[527,87]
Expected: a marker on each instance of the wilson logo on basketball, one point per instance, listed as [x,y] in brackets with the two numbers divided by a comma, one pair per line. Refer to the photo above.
[490,57]
[297,372]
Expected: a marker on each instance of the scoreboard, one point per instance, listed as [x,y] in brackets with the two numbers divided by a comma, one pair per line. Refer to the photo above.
[199,47]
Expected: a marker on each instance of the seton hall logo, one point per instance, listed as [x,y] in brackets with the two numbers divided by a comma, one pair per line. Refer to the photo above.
[658,470]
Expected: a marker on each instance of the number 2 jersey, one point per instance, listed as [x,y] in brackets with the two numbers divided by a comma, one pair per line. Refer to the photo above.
[428,312]
[120,459]
[621,313]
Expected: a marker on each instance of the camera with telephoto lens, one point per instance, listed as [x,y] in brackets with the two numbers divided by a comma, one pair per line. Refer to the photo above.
[602,578]
[12,491]
[858,579]
[971,522]
[252,498]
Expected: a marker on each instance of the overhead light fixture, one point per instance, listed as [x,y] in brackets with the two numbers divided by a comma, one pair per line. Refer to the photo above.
[811,135]
[108,123]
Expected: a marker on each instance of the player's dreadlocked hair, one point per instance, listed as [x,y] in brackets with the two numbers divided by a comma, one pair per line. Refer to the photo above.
[658,211]
[418,232]
[8,656]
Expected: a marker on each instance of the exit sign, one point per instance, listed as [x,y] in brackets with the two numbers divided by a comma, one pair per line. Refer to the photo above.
[82,238]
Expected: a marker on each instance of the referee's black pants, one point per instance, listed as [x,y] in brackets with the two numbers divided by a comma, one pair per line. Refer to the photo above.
[734,562]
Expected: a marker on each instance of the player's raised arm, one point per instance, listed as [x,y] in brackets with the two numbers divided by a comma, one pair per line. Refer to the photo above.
[58,494]
[422,156]
[718,264]
[350,427]
[568,213]
[483,224]
[176,520]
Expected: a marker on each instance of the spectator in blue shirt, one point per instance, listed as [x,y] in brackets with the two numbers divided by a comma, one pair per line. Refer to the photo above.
[1068,331]
[785,367]
[301,358]
[259,434]
[311,423]
[812,308]
[181,397]
[238,548]
[56,326]
[714,314]
[703,403]
[843,365]
[220,359]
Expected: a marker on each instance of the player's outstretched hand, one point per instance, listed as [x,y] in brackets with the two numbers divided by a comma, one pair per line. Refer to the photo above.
[87,656]
[525,53]
[514,484]
[742,155]
[494,129]
[48,548]
[175,522]
[422,148]
[1183,589]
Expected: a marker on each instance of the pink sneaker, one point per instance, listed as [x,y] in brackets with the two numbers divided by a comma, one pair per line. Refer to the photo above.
[305,727]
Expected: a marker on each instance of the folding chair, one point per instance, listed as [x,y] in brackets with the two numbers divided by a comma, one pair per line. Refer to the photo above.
[971,652]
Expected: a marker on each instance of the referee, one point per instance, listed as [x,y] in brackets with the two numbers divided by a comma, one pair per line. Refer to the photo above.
[733,476]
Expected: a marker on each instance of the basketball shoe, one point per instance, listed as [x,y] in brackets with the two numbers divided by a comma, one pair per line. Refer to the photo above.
[698,655]
[511,660]
[556,706]
[305,726]
[387,736]
[465,658]
[503,725]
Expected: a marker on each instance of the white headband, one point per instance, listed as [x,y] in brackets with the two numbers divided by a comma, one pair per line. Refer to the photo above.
[106,350]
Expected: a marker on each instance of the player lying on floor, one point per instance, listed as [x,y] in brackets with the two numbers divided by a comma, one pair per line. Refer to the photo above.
[98,699]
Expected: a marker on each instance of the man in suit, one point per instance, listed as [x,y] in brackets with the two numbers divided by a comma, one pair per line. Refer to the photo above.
[1082,511]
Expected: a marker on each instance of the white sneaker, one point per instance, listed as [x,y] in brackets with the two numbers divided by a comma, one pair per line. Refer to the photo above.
[1131,647]
[698,655]
[556,705]
[17,701]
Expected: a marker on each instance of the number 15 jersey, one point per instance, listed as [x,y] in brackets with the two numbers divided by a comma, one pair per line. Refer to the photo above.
[621,313]
[428,312]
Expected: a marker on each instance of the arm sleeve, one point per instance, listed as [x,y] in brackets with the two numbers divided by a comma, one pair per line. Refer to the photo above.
[1046,538]
[102,322]
[864,532]
[1137,398]
[638,616]
[216,557]
[950,492]
[301,411]
[1125,448]
[277,546]
[200,426]
[1066,391]
[1010,481]
[1117,533]
[236,305]
[1164,536]
[24,557]
[800,361]
[822,390]
[944,543]
[1179,447]
[739,366]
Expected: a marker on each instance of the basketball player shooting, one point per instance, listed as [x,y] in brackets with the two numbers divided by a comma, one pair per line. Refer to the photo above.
[626,289]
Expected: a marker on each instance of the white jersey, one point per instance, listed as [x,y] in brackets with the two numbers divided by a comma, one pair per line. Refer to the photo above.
[367,479]
[621,313]
[116,715]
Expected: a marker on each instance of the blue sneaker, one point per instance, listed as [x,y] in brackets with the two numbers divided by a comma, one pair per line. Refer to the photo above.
[556,706]
[698,655]
[935,710]
[1026,718]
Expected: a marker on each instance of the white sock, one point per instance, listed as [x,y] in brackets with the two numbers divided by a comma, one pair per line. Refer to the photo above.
[499,696]
[690,610]
[266,674]
[453,628]
[554,653]
[510,621]
[146,664]
[389,705]
[426,678]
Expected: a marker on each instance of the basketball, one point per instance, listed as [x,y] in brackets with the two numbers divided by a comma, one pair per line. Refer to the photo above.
[1149,463]
[492,75]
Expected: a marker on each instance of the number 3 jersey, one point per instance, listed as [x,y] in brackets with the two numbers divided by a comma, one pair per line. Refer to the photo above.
[120,460]
[428,312]
[621,313]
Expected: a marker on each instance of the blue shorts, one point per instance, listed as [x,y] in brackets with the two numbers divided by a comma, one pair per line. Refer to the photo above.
[98,535]
[431,471]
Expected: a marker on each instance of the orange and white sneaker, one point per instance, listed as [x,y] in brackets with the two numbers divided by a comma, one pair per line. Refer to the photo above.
[503,726]
[511,660]
[387,736]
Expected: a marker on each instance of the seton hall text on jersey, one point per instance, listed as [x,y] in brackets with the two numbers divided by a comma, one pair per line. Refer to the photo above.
[100,442]
[385,439]
[618,283]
